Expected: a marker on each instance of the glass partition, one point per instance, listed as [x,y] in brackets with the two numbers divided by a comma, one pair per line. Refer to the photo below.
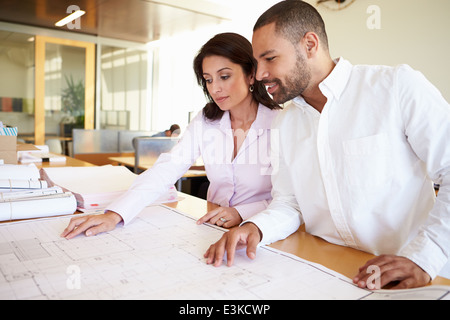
[123,88]
[64,89]
[17,82]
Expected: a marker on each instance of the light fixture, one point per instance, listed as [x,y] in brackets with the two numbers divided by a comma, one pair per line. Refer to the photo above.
[74,15]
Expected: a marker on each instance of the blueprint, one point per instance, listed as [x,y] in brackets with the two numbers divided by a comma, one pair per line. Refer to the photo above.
[159,256]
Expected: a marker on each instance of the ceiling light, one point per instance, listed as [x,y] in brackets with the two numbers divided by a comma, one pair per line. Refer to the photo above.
[70,18]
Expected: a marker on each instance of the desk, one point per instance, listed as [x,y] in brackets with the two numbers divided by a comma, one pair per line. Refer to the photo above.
[344,260]
[70,162]
[193,172]
[64,141]
[341,259]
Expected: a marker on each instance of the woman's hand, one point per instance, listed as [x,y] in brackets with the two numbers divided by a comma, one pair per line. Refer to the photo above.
[223,217]
[91,225]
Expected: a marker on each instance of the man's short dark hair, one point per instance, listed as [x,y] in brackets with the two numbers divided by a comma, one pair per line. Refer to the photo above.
[293,19]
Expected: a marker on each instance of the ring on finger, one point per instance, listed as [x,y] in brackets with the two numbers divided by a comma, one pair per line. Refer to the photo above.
[223,220]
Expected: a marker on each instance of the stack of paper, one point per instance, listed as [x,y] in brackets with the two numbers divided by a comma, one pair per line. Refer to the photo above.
[20,176]
[96,187]
[38,154]
[23,195]
[32,157]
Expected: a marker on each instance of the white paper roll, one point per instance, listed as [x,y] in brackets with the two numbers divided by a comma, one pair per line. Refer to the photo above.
[20,172]
[22,184]
[44,207]
[28,194]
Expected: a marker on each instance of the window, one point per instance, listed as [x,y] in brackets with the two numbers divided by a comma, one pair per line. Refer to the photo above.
[17,82]
[123,89]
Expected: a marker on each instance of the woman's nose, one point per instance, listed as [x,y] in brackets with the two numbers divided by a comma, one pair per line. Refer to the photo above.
[215,87]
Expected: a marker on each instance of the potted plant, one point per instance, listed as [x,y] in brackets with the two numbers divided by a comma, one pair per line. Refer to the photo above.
[72,105]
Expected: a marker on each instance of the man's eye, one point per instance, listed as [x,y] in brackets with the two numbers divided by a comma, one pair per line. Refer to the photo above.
[270,59]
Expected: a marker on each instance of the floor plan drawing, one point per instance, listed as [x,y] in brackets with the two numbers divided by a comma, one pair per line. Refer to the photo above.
[158,256]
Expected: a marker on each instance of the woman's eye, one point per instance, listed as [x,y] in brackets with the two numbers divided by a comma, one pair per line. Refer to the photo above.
[208,80]
[224,77]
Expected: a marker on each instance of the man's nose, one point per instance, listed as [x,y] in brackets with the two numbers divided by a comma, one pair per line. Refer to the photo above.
[261,73]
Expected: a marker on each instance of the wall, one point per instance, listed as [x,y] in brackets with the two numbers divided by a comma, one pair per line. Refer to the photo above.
[176,94]
[414,32]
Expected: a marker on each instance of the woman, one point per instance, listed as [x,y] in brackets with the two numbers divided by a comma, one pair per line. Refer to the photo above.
[231,134]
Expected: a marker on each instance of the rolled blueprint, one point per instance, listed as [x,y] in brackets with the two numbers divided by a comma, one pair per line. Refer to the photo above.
[20,172]
[54,205]
[29,193]
[12,184]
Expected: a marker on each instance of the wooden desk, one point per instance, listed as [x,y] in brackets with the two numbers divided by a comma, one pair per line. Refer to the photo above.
[29,138]
[344,260]
[338,258]
[195,171]
[70,162]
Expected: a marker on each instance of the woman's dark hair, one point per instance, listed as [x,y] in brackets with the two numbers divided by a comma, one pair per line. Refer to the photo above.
[238,50]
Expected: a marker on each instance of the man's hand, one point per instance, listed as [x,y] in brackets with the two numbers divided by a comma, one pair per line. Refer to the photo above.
[91,225]
[247,235]
[392,269]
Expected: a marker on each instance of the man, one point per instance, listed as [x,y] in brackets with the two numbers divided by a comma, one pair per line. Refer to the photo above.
[360,147]
[173,131]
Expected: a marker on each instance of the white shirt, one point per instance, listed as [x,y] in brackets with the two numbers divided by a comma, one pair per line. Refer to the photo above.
[242,182]
[360,174]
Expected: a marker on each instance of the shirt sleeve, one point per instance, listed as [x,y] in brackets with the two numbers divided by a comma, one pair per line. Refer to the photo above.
[248,210]
[282,217]
[426,117]
[150,185]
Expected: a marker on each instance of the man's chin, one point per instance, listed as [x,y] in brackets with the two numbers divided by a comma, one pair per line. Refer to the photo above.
[280,99]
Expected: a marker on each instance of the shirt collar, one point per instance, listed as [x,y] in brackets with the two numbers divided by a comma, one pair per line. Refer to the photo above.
[337,80]
[334,84]
[262,121]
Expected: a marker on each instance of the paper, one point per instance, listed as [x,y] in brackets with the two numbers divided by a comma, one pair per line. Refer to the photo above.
[24,196]
[45,206]
[96,187]
[158,256]
[39,157]
[28,194]
[20,172]
[11,184]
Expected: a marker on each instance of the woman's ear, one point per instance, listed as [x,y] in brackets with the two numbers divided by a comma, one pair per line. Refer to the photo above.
[251,78]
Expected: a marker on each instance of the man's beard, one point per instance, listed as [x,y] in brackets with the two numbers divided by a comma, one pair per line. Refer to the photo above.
[296,82]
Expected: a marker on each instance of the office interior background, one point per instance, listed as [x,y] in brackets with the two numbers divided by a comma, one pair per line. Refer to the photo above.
[130,62]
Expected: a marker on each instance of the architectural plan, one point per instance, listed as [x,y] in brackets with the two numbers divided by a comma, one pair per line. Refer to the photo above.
[159,256]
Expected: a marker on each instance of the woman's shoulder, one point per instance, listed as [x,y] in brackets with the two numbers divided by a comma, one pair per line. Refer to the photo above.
[200,120]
